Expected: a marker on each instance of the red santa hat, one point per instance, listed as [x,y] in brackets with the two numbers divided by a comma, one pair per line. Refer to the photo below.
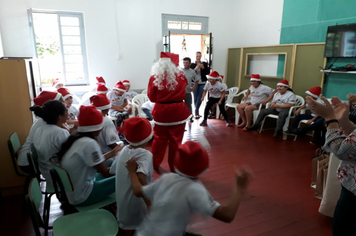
[255,77]
[137,130]
[100,101]
[46,96]
[120,86]
[100,80]
[314,92]
[65,93]
[174,57]
[191,159]
[283,83]
[126,82]
[89,119]
[101,88]
[213,75]
[56,82]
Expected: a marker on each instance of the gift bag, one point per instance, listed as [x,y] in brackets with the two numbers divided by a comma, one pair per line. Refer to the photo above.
[319,155]
[322,170]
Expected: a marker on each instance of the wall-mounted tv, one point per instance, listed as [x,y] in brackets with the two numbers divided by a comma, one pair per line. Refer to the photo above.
[341,41]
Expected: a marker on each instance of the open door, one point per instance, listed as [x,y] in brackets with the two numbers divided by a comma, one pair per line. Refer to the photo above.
[208,48]
[166,42]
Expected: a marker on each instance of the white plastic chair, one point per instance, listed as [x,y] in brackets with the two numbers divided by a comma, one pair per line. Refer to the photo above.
[230,103]
[298,103]
[144,91]
[228,98]
[137,102]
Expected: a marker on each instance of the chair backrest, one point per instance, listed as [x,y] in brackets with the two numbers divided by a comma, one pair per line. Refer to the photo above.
[14,145]
[63,175]
[299,101]
[232,92]
[32,158]
[144,91]
[138,100]
[33,201]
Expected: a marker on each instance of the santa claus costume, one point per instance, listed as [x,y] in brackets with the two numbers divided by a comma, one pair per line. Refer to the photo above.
[166,88]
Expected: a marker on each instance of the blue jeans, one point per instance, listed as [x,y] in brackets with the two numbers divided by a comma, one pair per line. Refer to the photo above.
[148,113]
[198,92]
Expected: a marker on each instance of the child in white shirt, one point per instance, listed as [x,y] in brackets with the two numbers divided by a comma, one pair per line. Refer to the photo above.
[118,101]
[73,112]
[147,108]
[130,94]
[108,136]
[175,197]
[131,210]
[217,95]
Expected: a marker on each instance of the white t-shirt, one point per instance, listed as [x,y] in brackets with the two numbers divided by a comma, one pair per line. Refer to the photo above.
[174,199]
[48,141]
[286,98]
[79,161]
[107,136]
[22,158]
[148,105]
[130,95]
[130,209]
[260,93]
[72,113]
[116,100]
[215,90]
[191,77]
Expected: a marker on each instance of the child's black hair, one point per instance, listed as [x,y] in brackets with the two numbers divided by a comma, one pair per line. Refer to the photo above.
[50,111]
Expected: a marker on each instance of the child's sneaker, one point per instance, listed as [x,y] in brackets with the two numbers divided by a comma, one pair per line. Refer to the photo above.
[203,123]
[228,123]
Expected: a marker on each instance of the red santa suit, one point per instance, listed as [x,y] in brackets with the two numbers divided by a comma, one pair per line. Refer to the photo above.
[170,112]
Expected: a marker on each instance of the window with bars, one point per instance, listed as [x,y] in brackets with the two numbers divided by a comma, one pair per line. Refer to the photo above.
[179,24]
[60,46]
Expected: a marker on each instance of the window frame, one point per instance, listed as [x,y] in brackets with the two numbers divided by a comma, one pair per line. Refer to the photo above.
[183,18]
[84,54]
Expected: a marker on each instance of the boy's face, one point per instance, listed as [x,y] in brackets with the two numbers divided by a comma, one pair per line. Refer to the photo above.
[68,102]
[58,86]
[127,86]
[212,81]
[118,92]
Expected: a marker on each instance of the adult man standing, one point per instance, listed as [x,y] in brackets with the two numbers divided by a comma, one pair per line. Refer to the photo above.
[166,88]
[192,78]
[202,70]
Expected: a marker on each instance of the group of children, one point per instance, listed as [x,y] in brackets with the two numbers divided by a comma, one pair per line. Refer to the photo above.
[98,166]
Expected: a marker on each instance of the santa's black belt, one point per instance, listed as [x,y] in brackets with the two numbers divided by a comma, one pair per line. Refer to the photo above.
[170,102]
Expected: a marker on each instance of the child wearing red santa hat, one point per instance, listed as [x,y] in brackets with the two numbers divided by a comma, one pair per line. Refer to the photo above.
[118,101]
[216,95]
[130,94]
[42,98]
[57,83]
[166,88]
[175,197]
[108,136]
[100,87]
[81,156]
[131,210]
[72,110]
[282,100]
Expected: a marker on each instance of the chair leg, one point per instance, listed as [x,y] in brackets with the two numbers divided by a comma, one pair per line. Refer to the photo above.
[263,122]
[237,117]
[46,212]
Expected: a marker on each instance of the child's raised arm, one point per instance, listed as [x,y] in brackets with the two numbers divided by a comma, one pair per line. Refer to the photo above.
[131,166]
[227,213]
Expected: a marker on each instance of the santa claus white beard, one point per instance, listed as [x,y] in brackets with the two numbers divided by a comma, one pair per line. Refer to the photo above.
[165,70]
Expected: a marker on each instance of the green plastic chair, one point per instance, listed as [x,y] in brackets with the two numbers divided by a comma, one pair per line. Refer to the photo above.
[62,183]
[14,146]
[90,223]
[32,157]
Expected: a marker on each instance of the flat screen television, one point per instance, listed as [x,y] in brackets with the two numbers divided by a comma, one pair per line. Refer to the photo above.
[341,41]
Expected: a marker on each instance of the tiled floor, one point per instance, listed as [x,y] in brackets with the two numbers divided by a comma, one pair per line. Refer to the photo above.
[279,200]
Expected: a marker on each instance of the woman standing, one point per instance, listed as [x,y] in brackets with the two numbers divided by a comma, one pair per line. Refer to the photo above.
[340,140]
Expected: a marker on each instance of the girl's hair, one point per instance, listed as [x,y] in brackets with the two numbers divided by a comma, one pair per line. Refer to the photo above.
[50,111]
[290,89]
[68,144]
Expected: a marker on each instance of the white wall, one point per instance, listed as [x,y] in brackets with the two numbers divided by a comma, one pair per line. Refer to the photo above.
[131,30]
